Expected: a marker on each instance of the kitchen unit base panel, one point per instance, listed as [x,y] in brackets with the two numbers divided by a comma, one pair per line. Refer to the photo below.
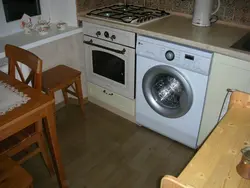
[111,101]
[226,73]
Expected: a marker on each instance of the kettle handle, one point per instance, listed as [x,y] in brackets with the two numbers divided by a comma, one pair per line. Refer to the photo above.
[218,7]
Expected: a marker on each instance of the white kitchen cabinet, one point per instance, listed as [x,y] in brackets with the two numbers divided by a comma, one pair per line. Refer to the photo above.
[226,72]
[111,101]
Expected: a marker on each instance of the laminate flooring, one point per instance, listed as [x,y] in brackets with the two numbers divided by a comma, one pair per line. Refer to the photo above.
[103,150]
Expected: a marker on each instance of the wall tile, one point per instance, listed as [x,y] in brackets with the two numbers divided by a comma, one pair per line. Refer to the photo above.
[152,3]
[136,2]
[165,4]
[84,5]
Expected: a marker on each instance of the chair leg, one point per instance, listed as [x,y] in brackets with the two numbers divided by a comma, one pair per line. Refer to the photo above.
[79,92]
[44,152]
[65,95]
[44,149]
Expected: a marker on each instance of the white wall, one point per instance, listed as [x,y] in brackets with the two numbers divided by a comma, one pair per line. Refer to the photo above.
[57,10]
[63,10]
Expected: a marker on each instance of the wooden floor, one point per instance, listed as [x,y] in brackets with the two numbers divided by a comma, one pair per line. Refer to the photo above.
[103,150]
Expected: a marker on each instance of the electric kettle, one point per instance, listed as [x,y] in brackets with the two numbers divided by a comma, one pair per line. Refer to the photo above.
[203,12]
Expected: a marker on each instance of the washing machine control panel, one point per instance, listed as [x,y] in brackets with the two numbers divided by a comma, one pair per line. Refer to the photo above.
[176,55]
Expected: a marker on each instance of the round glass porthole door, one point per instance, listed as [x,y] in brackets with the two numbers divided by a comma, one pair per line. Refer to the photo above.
[167,91]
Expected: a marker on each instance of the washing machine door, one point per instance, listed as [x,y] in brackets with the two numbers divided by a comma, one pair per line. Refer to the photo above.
[167,91]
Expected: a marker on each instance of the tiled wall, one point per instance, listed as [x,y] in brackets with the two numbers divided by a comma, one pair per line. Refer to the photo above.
[237,11]
[84,5]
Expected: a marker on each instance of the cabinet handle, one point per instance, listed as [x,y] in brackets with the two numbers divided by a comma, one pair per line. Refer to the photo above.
[110,94]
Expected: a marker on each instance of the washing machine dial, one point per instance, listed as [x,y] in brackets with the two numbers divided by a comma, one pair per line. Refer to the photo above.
[169,55]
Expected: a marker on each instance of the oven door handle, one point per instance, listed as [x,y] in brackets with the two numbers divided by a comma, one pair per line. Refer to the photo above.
[104,47]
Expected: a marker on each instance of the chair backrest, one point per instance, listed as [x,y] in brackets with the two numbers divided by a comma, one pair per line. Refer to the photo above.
[18,55]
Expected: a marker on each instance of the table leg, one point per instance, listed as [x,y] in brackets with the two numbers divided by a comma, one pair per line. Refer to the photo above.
[50,127]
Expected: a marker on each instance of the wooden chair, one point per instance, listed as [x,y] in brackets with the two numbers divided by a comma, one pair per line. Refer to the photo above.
[12,175]
[62,77]
[25,139]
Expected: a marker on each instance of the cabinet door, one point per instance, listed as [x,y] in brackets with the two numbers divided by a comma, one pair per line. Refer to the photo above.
[226,73]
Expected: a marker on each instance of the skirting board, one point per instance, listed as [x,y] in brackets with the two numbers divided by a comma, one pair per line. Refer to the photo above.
[112,109]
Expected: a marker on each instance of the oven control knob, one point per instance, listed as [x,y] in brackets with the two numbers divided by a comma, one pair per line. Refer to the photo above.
[98,33]
[169,55]
[106,34]
[113,37]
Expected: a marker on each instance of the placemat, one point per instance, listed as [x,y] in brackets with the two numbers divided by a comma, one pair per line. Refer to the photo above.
[10,98]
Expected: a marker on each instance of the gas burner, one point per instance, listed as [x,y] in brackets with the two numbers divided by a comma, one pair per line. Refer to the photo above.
[106,14]
[128,19]
[129,14]
[124,7]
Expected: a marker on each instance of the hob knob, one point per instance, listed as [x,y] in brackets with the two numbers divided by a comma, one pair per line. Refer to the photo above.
[106,34]
[113,37]
[98,33]
[169,55]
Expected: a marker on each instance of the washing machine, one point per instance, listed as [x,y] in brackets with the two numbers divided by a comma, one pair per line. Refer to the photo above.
[171,84]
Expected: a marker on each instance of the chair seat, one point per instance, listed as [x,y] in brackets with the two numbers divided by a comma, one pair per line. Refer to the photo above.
[56,78]
[12,175]
[66,79]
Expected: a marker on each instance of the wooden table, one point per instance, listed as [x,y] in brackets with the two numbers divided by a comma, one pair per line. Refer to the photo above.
[214,165]
[38,107]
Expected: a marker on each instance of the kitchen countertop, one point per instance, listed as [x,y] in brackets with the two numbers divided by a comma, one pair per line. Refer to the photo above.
[179,29]
[214,165]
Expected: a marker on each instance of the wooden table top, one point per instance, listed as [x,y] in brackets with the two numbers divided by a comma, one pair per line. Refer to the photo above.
[214,165]
[37,101]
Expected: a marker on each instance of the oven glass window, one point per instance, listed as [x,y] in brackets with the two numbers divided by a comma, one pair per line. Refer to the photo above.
[109,66]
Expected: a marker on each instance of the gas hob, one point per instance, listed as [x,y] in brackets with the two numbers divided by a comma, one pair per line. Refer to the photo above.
[128,14]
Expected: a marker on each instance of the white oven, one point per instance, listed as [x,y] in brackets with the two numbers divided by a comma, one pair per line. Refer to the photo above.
[109,64]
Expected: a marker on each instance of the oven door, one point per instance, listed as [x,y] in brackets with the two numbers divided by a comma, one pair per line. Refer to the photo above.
[110,65]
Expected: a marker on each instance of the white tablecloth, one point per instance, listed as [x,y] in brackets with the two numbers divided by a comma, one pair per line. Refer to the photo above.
[10,98]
